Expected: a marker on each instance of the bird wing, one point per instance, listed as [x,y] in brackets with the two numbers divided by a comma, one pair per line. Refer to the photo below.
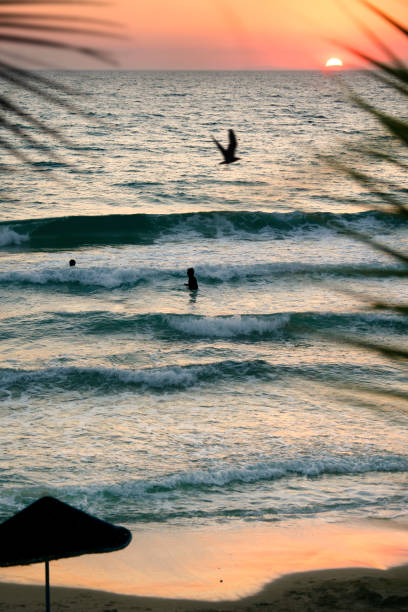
[221,148]
[232,142]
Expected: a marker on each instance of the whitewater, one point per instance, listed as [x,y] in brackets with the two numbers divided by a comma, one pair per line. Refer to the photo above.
[130,397]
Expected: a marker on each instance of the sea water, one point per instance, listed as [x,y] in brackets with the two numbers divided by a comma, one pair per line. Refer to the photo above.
[130,397]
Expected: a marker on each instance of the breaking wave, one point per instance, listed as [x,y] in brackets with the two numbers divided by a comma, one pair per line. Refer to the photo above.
[104,277]
[147,499]
[76,231]
[243,327]
[168,378]
[160,379]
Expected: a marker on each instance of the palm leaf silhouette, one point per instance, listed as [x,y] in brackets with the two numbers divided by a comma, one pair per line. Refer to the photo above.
[386,196]
[23,28]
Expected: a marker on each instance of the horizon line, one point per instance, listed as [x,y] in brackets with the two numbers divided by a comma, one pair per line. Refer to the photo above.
[337,70]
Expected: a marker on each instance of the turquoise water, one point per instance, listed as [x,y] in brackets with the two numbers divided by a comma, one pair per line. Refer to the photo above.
[130,397]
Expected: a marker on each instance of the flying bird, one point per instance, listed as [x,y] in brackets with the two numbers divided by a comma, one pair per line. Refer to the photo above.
[229,153]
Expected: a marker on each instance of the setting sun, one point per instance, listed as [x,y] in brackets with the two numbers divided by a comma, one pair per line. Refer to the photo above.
[333,61]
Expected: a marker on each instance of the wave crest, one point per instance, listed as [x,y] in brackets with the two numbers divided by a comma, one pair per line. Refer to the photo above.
[108,380]
[255,327]
[121,276]
[144,499]
[76,231]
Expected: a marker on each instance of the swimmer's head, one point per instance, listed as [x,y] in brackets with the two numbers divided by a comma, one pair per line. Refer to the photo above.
[190,272]
[72,263]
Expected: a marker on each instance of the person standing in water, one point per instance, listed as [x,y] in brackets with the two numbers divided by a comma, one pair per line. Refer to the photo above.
[192,281]
[72,263]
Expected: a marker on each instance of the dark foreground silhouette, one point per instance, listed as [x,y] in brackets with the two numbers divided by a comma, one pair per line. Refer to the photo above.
[192,281]
[356,589]
[229,154]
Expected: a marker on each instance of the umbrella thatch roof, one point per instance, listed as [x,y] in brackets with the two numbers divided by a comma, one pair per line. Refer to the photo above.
[50,529]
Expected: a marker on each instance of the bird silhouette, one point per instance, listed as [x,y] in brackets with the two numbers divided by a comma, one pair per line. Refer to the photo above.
[229,153]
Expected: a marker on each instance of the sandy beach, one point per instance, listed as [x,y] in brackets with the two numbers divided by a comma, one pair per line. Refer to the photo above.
[341,590]
[360,566]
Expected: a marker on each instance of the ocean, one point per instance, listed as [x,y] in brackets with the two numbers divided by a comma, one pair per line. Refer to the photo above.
[145,404]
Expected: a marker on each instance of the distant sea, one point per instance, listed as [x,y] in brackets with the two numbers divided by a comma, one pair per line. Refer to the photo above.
[126,395]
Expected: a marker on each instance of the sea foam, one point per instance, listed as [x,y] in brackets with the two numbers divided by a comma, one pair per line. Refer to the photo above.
[76,231]
[165,378]
[9,237]
[122,276]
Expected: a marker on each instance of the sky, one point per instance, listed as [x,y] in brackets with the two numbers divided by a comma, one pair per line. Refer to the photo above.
[230,34]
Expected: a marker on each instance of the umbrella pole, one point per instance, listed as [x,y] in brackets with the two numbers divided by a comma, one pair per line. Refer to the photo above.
[47,587]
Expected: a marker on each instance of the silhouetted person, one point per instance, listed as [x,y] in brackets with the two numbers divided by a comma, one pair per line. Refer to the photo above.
[72,263]
[229,154]
[192,281]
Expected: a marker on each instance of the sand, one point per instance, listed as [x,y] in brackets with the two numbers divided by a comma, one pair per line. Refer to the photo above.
[344,590]
[245,569]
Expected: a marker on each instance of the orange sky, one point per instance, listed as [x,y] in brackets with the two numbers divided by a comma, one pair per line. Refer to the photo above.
[236,34]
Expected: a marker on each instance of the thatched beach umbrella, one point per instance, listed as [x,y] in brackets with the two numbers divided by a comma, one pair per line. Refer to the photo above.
[50,529]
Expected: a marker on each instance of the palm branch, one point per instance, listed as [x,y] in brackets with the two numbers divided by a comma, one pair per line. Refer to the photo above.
[22,28]
[385,196]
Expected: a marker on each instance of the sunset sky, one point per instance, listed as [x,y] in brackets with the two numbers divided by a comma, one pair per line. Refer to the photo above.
[236,34]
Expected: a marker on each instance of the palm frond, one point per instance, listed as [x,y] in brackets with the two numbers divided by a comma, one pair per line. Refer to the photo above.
[32,17]
[392,83]
[53,2]
[397,127]
[25,29]
[380,189]
[386,196]
[391,352]
[374,303]
[385,17]
[378,155]
[372,36]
